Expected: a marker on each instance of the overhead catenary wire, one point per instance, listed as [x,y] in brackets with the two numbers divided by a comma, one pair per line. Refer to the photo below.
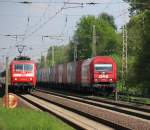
[40,26]
[38,21]
[50,19]
[116,17]
[69,3]
[27,24]
[124,11]
[56,2]
[45,22]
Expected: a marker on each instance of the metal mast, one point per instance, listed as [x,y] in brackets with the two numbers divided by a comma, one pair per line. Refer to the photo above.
[75,52]
[94,42]
[124,55]
[53,55]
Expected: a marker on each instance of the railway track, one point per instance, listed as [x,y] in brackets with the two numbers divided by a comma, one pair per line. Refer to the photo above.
[111,105]
[122,119]
[70,117]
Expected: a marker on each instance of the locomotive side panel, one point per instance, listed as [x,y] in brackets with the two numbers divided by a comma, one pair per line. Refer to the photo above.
[64,78]
[73,73]
[60,73]
[69,72]
[78,72]
[56,74]
[85,72]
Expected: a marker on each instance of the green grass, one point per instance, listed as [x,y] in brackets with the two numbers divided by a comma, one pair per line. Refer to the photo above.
[0,101]
[26,119]
[138,100]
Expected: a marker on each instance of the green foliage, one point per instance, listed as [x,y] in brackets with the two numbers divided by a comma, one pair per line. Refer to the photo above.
[109,19]
[106,36]
[42,63]
[60,55]
[83,36]
[143,62]
[138,6]
[71,51]
[139,48]
[118,62]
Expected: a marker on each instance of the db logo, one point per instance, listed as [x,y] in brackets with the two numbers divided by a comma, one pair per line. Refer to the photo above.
[103,76]
[10,100]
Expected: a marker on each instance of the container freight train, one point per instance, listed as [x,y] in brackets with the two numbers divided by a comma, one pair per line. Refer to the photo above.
[97,74]
[21,74]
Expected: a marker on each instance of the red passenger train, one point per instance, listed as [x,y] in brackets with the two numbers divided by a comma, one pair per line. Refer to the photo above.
[94,74]
[22,74]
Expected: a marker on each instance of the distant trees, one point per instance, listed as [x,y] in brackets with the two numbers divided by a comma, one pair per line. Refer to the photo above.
[41,62]
[60,55]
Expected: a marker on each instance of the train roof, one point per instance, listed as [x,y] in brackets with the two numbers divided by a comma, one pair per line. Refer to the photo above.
[104,59]
[22,59]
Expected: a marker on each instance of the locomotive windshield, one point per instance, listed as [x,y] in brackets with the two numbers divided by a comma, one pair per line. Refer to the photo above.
[103,67]
[28,67]
[23,67]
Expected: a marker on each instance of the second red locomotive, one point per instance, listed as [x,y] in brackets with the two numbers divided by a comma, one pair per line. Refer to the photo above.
[94,74]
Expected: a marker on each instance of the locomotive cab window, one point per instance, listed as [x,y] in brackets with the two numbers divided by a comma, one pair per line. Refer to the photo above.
[23,67]
[103,67]
[18,67]
[28,67]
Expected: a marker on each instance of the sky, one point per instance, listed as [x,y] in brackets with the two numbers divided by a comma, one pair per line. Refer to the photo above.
[28,24]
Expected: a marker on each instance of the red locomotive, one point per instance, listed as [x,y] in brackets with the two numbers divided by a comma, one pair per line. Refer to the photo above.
[22,74]
[94,74]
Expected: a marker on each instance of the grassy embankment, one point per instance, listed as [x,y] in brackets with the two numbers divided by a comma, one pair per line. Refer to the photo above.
[28,119]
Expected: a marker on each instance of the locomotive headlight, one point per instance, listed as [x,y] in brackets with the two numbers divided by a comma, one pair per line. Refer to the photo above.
[30,78]
[96,80]
[110,80]
[15,78]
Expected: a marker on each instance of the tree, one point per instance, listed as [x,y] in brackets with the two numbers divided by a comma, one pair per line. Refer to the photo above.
[138,6]
[106,36]
[142,64]
[83,36]
[139,47]
[109,19]
[42,63]
[138,50]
